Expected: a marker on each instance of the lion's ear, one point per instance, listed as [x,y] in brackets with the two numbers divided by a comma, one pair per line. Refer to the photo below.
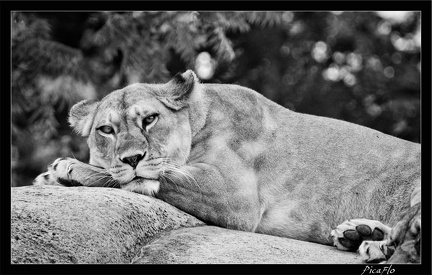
[81,116]
[177,91]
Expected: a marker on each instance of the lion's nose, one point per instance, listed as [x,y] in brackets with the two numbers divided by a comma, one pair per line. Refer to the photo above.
[133,160]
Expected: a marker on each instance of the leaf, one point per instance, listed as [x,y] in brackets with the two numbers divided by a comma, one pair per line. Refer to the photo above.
[222,45]
[264,19]
[234,21]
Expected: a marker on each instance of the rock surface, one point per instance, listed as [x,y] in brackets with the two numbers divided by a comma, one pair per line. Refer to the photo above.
[53,224]
[210,244]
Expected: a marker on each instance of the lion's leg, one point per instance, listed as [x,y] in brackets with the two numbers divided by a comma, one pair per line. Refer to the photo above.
[351,233]
[207,195]
[401,246]
[406,236]
[72,172]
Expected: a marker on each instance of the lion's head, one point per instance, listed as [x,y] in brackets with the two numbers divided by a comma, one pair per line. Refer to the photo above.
[140,131]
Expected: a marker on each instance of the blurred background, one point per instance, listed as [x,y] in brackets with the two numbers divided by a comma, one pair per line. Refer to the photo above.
[362,67]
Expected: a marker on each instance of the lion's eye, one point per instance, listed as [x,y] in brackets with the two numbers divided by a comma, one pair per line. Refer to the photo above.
[149,120]
[106,129]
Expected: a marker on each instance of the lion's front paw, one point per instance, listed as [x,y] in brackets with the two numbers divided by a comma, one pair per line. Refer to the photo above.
[45,179]
[351,233]
[59,173]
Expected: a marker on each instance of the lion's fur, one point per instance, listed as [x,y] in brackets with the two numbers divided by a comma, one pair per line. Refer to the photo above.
[255,165]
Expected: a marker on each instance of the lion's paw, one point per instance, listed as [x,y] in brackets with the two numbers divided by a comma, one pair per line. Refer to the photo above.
[59,173]
[351,233]
[376,251]
[406,236]
[45,179]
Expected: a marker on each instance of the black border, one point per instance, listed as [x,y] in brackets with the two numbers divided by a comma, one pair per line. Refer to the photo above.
[7,6]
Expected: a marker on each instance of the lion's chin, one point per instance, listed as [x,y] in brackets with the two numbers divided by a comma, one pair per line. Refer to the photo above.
[143,186]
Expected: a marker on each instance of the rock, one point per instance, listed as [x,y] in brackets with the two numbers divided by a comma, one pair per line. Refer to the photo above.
[54,224]
[210,244]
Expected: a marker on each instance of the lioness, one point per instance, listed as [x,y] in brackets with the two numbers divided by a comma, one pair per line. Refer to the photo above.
[233,158]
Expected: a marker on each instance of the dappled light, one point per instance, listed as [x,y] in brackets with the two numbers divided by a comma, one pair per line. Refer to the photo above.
[362,67]
[204,65]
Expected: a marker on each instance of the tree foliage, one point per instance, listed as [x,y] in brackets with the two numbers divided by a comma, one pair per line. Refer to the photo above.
[353,66]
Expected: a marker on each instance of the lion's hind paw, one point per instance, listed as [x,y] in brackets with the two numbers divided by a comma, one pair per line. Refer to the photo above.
[350,234]
[376,251]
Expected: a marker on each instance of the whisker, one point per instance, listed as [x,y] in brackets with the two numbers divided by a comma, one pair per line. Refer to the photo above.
[98,177]
[107,181]
[189,177]
[73,155]
[165,176]
[176,175]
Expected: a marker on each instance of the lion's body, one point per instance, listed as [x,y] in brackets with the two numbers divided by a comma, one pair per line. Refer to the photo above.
[308,173]
[241,161]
